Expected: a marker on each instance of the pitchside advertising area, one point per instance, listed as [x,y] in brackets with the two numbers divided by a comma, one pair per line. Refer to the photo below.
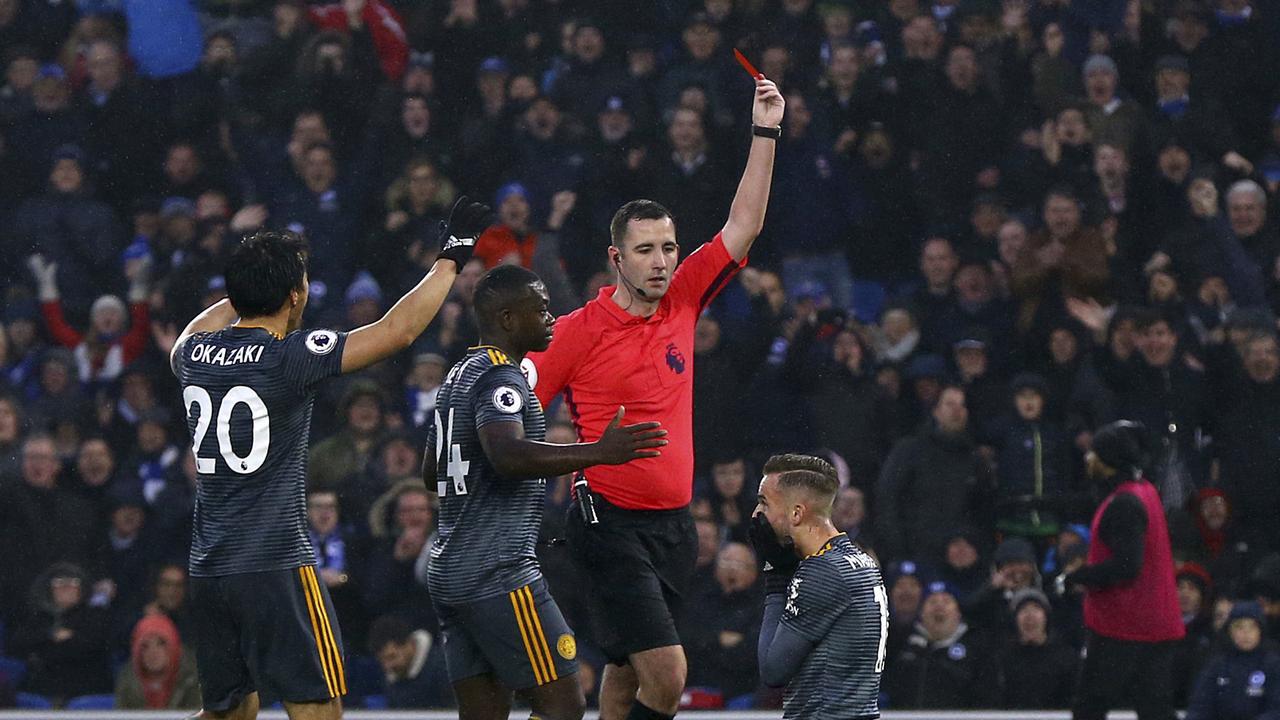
[524,715]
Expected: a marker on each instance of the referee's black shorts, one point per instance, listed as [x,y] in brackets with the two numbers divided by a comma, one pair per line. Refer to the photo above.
[638,565]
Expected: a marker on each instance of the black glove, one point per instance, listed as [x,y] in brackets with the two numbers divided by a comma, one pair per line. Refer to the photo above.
[780,561]
[467,220]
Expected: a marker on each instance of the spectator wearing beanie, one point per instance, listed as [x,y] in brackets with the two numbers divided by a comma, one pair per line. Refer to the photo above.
[1036,669]
[1033,458]
[1195,601]
[1014,569]
[944,663]
[1240,681]
[1131,599]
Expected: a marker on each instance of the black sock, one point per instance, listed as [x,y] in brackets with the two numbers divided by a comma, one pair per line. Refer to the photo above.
[640,711]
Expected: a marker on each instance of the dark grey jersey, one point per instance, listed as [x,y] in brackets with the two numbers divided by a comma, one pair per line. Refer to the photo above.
[488,532]
[248,398]
[837,601]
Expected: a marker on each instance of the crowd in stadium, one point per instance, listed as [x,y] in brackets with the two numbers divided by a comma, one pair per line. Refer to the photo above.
[994,227]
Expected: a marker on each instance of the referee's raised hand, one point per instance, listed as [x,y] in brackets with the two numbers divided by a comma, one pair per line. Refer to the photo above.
[623,443]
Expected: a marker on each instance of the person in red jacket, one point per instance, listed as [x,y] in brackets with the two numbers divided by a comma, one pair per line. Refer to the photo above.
[107,348]
[379,19]
[1131,597]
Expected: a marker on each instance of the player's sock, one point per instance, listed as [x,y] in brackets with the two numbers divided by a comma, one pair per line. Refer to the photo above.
[640,711]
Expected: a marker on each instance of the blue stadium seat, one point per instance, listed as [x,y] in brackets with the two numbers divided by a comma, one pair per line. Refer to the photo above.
[375,702]
[742,702]
[31,701]
[13,670]
[92,702]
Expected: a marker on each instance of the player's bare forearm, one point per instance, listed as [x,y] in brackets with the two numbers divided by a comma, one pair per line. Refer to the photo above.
[515,456]
[403,323]
[746,214]
[214,317]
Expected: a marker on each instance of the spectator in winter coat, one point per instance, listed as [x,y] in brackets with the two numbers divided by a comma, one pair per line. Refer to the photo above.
[722,625]
[161,674]
[1037,670]
[1013,571]
[70,228]
[1033,464]
[1195,600]
[932,484]
[412,662]
[64,638]
[943,664]
[368,20]
[1240,682]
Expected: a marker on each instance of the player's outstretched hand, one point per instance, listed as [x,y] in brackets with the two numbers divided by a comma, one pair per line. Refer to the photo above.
[623,443]
[768,107]
[779,561]
[467,221]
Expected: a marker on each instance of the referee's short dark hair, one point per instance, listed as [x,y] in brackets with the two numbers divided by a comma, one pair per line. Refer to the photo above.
[795,461]
[498,288]
[263,269]
[820,486]
[386,630]
[635,210]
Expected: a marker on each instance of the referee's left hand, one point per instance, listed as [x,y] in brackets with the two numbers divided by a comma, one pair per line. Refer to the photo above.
[769,105]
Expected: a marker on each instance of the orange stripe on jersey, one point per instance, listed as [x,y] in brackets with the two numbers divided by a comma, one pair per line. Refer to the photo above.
[542,637]
[538,675]
[315,631]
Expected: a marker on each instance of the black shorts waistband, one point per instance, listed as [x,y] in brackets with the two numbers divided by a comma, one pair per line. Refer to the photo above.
[604,506]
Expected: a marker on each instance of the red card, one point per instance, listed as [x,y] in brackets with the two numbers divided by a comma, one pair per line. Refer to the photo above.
[746,64]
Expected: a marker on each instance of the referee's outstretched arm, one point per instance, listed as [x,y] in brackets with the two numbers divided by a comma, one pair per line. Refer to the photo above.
[746,214]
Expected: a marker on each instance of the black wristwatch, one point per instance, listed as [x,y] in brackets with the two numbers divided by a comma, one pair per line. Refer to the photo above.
[773,133]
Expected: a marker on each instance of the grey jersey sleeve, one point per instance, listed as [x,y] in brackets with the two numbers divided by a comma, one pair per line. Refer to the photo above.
[500,395]
[311,356]
[781,651]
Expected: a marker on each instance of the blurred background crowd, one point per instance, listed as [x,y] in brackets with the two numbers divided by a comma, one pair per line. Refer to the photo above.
[994,227]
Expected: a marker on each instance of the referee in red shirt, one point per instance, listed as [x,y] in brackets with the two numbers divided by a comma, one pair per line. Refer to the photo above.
[633,345]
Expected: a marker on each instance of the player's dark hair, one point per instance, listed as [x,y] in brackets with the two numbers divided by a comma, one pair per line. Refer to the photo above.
[498,289]
[635,210]
[819,485]
[790,462]
[386,630]
[263,269]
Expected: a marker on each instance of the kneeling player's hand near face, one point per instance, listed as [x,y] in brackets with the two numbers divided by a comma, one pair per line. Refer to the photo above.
[623,443]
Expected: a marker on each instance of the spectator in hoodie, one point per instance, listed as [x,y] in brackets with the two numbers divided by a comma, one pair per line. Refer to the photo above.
[1195,600]
[161,674]
[1037,670]
[1240,681]
[412,663]
[944,663]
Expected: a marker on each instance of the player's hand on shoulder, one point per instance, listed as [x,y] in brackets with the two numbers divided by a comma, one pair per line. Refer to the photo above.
[624,443]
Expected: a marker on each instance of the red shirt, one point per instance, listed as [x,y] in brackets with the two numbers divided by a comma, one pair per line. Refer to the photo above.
[603,357]
[1146,608]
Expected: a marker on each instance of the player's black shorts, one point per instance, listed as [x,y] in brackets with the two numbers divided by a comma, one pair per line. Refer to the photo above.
[521,638]
[638,565]
[273,632]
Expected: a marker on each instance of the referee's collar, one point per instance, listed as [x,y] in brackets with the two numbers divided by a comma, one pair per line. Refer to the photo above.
[605,298]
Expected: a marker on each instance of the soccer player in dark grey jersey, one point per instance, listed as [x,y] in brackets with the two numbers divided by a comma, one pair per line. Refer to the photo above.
[264,622]
[826,614]
[488,462]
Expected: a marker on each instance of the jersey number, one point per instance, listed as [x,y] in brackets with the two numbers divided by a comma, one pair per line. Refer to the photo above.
[456,468]
[195,396]
[882,600]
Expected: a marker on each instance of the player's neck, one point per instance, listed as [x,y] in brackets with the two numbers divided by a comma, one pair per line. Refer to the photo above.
[504,344]
[277,325]
[813,537]
[627,299]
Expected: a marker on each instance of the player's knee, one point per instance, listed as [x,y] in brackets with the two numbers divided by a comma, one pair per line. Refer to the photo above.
[566,706]
[662,686]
